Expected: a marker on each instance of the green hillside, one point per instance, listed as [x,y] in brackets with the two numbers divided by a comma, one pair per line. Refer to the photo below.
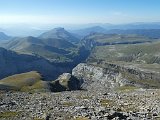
[138,53]
[53,49]
[99,39]
[30,81]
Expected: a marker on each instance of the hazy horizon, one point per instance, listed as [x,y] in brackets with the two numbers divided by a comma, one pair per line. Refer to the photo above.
[78,11]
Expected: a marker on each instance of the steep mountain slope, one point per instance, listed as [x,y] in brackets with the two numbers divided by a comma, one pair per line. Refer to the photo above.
[3,36]
[53,49]
[59,33]
[26,41]
[12,63]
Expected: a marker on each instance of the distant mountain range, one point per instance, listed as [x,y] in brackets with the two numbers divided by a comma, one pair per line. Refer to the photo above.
[137,25]
[3,36]
[24,30]
[50,56]
[55,45]
[153,33]
[87,31]
[148,32]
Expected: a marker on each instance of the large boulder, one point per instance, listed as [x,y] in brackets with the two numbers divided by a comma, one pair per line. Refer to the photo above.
[66,82]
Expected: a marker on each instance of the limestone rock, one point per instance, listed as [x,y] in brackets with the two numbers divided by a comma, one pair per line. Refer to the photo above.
[66,82]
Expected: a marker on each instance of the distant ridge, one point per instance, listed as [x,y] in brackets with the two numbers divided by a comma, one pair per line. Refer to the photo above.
[153,33]
[53,49]
[89,30]
[3,36]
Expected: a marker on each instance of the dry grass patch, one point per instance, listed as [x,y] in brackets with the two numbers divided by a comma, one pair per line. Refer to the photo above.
[126,88]
[8,114]
[81,118]
[67,104]
[106,102]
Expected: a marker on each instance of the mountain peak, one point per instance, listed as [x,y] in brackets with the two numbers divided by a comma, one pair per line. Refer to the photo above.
[2,33]
[3,36]
[59,33]
[59,29]
[29,37]
[87,31]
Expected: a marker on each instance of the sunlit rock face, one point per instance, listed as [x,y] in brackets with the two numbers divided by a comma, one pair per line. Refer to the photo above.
[94,76]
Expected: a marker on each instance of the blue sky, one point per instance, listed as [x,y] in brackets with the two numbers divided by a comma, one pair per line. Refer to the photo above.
[79,11]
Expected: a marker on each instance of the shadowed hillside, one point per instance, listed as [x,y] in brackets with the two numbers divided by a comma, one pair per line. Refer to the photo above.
[13,63]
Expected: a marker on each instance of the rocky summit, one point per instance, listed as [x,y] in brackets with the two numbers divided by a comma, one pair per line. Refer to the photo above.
[126,104]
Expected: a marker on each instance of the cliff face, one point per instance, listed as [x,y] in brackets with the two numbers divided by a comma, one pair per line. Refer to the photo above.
[96,77]
[137,72]
[138,76]
[112,76]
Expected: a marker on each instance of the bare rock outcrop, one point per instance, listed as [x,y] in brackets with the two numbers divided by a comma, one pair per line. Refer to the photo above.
[112,76]
[94,76]
[66,82]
